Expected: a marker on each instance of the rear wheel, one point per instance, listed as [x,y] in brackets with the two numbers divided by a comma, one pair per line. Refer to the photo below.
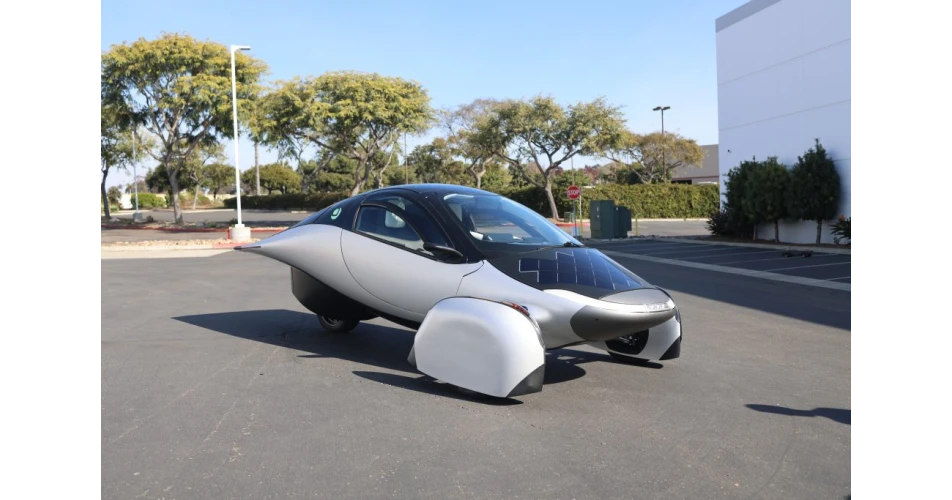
[337,325]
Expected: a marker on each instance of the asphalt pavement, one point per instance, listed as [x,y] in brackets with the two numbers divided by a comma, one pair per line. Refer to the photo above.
[216,383]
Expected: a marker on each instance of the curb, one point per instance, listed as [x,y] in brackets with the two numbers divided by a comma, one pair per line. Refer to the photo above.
[149,248]
[192,230]
[795,248]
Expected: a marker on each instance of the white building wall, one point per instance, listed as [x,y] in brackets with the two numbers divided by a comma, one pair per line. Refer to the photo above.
[783,78]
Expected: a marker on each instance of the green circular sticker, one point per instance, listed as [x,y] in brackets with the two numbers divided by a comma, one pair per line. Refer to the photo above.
[335,213]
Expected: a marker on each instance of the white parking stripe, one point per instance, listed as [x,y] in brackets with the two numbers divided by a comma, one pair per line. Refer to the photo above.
[773,258]
[733,254]
[789,278]
[653,246]
[835,279]
[804,267]
[693,250]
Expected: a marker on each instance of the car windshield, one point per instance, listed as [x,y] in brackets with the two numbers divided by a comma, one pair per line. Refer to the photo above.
[494,220]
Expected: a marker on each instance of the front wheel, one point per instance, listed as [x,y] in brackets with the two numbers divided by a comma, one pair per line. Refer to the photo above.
[337,325]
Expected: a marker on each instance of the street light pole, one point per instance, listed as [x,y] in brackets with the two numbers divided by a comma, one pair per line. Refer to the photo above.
[406,160]
[239,232]
[664,165]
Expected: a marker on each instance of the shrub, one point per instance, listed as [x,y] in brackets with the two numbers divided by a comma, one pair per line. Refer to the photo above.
[291,201]
[149,200]
[841,230]
[765,190]
[726,222]
[814,189]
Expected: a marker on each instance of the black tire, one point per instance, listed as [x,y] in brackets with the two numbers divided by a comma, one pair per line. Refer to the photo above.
[338,325]
[628,360]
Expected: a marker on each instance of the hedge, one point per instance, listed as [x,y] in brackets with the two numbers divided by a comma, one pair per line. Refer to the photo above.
[291,201]
[646,201]
[663,201]
[149,200]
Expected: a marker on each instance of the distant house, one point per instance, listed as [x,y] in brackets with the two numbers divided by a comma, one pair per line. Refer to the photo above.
[706,173]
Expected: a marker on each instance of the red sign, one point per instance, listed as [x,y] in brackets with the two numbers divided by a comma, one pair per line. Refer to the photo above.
[574,192]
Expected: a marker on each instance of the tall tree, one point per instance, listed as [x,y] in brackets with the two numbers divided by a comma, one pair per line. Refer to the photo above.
[218,176]
[540,135]
[274,177]
[462,126]
[652,158]
[179,89]
[350,114]
[117,150]
[814,192]
[434,163]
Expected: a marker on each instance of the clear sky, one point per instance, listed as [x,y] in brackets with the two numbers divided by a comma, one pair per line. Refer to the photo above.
[637,54]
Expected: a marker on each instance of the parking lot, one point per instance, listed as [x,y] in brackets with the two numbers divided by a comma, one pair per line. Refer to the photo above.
[216,383]
[819,265]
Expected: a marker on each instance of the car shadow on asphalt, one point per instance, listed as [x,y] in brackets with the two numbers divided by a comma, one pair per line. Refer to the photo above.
[835,414]
[381,346]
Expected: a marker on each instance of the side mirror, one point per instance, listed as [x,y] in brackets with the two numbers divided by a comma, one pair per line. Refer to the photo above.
[453,254]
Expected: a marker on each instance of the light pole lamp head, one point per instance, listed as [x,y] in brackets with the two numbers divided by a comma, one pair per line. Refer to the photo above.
[661,108]
[240,47]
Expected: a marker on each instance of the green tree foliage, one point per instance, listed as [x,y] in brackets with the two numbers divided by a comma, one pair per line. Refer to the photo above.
[765,191]
[117,151]
[114,195]
[434,163]
[179,89]
[218,177]
[462,126]
[735,220]
[814,191]
[275,177]
[652,158]
[496,177]
[349,114]
[540,135]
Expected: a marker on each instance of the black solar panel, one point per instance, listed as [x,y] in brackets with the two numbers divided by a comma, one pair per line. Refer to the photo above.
[577,266]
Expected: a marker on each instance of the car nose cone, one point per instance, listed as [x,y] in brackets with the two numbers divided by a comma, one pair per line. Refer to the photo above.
[648,307]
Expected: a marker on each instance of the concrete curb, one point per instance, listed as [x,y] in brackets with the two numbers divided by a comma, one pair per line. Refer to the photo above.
[158,248]
[193,230]
[588,222]
[796,248]
[735,270]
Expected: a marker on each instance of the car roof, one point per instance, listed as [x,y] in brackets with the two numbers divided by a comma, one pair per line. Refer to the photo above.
[440,189]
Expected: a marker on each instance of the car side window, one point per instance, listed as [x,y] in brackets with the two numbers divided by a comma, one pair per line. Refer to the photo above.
[419,219]
[386,225]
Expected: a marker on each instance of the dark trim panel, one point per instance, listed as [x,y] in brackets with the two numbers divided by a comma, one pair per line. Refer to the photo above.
[740,13]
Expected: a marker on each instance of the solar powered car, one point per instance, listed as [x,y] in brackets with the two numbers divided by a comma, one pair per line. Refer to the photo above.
[488,284]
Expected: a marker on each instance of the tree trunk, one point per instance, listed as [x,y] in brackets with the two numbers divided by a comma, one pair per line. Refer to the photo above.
[552,205]
[176,207]
[819,229]
[479,180]
[257,173]
[754,237]
[195,201]
[105,198]
[776,230]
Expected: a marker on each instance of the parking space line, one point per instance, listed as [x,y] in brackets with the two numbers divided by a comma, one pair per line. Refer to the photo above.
[695,250]
[653,246]
[732,254]
[835,279]
[804,267]
[737,270]
[772,258]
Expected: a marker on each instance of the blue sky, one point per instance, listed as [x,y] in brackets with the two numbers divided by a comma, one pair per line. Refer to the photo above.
[636,54]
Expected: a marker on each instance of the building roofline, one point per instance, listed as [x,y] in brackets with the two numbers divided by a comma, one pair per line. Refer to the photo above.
[740,13]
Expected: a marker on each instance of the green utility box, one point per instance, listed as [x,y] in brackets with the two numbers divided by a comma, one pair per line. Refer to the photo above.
[622,221]
[602,216]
